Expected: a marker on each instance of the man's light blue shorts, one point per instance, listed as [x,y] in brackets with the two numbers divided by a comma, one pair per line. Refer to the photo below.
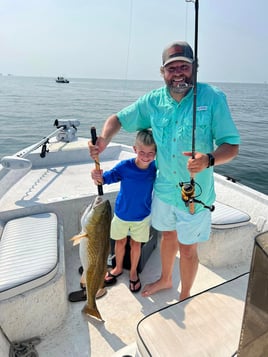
[190,228]
[138,230]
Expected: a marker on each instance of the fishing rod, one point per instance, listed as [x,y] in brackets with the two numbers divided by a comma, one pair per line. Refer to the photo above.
[188,188]
[195,73]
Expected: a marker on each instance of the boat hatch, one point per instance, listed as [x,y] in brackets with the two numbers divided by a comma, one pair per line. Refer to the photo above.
[28,253]
[225,216]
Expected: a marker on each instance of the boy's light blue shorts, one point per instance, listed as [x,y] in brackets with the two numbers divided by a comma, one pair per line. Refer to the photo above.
[138,230]
[190,228]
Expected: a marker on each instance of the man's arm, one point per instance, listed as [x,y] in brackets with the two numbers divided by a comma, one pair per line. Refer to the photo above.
[224,153]
[110,128]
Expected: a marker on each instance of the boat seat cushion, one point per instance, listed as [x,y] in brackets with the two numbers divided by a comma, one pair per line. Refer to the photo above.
[28,253]
[225,216]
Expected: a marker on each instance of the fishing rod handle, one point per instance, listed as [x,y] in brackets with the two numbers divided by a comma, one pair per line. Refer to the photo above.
[191,206]
[191,203]
[100,190]
[97,162]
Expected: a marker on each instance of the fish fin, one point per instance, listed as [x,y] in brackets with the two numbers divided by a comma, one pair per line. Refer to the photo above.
[92,312]
[76,239]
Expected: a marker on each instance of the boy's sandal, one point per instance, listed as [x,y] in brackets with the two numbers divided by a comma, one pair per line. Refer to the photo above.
[134,283]
[112,278]
[81,295]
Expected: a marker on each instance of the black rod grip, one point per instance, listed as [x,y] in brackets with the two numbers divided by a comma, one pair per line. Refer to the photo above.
[100,190]
[93,135]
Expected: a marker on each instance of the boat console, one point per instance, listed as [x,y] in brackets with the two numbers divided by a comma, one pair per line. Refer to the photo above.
[254,332]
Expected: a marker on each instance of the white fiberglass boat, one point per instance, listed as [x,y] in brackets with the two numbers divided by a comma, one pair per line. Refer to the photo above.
[42,200]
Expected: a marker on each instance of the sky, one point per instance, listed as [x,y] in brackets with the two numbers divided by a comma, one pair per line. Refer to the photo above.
[124,39]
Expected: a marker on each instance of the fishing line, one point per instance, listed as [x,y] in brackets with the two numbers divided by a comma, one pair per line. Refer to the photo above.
[129,37]
[186,23]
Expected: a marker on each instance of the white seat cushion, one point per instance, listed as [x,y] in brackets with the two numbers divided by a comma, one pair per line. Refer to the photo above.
[228,217]
[28,253]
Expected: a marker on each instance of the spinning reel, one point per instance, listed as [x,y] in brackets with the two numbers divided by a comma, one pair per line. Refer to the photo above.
[188,195]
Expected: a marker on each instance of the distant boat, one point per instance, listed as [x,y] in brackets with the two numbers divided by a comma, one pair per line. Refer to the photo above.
[62,80]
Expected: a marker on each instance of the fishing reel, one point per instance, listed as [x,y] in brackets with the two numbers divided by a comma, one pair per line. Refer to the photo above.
[188,194]
[68,129]
[62,123]
[187,191]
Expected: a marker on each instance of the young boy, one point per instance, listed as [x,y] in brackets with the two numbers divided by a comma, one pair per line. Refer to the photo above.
[132,206]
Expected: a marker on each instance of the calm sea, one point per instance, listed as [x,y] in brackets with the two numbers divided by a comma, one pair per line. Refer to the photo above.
[30,105]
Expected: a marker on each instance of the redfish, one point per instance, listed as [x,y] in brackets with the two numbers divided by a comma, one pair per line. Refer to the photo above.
[94,250]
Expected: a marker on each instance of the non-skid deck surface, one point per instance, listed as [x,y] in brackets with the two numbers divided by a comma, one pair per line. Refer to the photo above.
[54,184]
[208,324]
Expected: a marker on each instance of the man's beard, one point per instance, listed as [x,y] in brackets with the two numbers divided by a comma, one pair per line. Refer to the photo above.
[181,87]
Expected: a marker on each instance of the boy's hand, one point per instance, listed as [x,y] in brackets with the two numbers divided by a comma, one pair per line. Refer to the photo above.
[96,176]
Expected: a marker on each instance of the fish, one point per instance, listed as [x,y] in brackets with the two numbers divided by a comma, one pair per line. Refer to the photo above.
[94,248]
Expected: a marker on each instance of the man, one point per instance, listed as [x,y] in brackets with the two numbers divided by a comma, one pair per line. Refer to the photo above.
[169,112]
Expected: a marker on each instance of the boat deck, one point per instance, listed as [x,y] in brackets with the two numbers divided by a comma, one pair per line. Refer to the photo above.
[67,189]
[121,310]
[198,326]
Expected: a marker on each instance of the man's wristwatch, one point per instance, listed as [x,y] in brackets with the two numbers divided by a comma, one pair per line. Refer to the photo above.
[211,160]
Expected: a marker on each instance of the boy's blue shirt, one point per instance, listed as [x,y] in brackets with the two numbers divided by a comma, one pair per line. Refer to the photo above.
[133,202]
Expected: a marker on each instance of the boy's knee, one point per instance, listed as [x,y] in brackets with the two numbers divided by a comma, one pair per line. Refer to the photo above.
[134,244]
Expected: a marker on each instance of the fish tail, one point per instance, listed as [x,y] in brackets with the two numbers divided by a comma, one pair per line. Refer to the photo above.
[92,312]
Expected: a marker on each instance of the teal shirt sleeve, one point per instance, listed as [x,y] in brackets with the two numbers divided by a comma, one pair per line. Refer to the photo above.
[137,115]
[223,126]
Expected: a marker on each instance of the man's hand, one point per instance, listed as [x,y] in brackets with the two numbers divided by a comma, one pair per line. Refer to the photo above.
[223,154]
[95,150]
[198,164]
[110,128]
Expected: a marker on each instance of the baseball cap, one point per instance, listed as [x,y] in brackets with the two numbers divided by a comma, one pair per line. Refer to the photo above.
[177,51]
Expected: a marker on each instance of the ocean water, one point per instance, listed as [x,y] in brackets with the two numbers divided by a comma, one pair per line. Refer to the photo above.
[30,105]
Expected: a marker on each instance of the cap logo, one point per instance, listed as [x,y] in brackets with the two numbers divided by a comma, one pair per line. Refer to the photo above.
[176,51]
